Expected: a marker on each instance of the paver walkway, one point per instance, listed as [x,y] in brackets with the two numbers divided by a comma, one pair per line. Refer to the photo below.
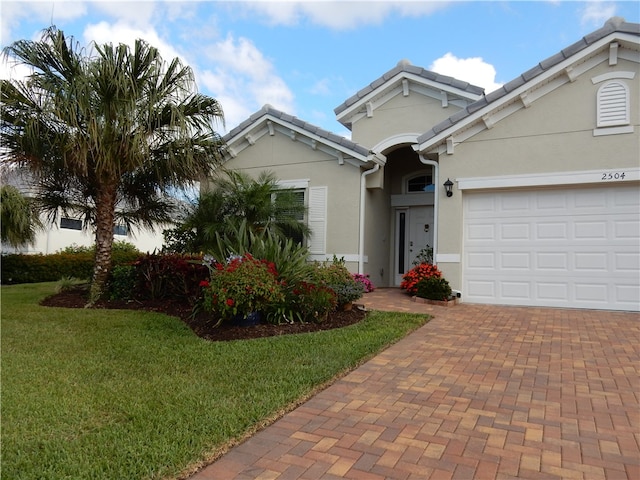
[480,392]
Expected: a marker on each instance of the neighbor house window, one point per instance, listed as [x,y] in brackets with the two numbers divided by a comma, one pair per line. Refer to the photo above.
[120,230]
[70,223]
[613,104]
[420,183]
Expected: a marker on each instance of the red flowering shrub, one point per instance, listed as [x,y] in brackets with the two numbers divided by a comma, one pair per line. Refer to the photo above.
[241,286]
[421,271]
[312,302]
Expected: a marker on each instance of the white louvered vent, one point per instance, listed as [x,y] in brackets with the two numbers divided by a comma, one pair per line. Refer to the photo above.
[318,220]
[613,104]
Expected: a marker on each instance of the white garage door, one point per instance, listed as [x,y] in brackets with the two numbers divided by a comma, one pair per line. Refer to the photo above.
[571,247]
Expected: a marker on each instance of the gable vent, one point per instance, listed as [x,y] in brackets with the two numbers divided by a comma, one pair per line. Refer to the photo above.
[613,104]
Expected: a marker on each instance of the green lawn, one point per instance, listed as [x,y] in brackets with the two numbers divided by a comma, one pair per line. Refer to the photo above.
[132,395]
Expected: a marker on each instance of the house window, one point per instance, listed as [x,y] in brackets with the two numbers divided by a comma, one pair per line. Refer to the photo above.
[120,230]
[70,223]
[297,214]
[420,183]
[613,104]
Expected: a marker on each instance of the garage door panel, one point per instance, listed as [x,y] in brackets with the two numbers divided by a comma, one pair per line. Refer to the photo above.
[627,261]
[515,231]
[515,261]
[626,296]
[551,230]
[482,291]
[551,261]
[627,229]
[589,200]
[514,204]
[551,291]
[591,262]
[565,248]
[517,291]
[482,231]
[589,230]
[552,203]
[482,261]
[597,292]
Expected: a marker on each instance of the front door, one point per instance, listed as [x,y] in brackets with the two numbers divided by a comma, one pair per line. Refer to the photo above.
[414,232]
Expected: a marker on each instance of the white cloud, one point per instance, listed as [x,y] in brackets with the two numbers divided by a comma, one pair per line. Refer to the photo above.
[596,13]
[120,32]
[339,15]
[243,80]
[138,13]
[321,87]
[473,70]
[13,72]
[47,13]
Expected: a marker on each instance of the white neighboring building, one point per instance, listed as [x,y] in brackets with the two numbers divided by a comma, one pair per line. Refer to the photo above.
[68,231]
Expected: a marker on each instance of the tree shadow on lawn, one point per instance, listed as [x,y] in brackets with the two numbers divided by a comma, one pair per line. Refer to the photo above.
[203,324]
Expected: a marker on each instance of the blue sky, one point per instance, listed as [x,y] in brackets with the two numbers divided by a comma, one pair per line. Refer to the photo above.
[306,58]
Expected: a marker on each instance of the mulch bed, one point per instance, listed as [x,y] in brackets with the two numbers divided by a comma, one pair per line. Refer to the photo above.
[203,324]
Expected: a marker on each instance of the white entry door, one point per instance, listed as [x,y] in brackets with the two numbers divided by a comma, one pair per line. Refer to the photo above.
[414,232]
[570,247]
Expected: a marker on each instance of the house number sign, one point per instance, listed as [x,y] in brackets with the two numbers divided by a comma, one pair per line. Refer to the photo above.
[613,176]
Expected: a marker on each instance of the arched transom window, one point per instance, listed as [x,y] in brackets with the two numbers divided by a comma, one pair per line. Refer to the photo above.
[420,183]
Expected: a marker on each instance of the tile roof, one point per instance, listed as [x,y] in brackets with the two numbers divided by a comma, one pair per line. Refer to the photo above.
[311,129]
[615,24]
[404,66]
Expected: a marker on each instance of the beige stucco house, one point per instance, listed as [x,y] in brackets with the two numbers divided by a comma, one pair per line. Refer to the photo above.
[544,206]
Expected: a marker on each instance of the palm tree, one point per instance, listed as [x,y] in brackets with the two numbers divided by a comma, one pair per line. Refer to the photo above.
[106,132]
[18,219]
[233,199]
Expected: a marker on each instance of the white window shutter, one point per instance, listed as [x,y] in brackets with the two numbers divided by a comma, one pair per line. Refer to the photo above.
[613,104]
[318,220]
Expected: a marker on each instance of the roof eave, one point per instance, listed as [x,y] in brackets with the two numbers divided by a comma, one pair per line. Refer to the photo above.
[531,79]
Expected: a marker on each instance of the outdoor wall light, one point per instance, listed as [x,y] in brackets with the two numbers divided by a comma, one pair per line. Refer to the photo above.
[448,186]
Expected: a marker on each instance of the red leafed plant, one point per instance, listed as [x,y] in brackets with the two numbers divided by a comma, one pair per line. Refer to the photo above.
[412,277]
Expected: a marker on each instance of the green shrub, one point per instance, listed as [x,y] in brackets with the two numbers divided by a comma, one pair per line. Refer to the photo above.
[433,288]
[337,277]
[302,302]
[119,246]
[74,261]
[290,258]
[123,282]
[347,292]
[67,283]
[425,255]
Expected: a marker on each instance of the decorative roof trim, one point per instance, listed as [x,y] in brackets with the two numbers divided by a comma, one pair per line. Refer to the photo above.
[521,88]
[401,76]
[268,119]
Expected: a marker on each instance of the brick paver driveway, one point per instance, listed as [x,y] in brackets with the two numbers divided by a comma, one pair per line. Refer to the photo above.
[480,392]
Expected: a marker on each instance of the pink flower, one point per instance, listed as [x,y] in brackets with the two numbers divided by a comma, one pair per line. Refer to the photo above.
[230,302]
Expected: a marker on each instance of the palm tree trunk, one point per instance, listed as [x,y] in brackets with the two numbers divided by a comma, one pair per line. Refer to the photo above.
[105,219]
